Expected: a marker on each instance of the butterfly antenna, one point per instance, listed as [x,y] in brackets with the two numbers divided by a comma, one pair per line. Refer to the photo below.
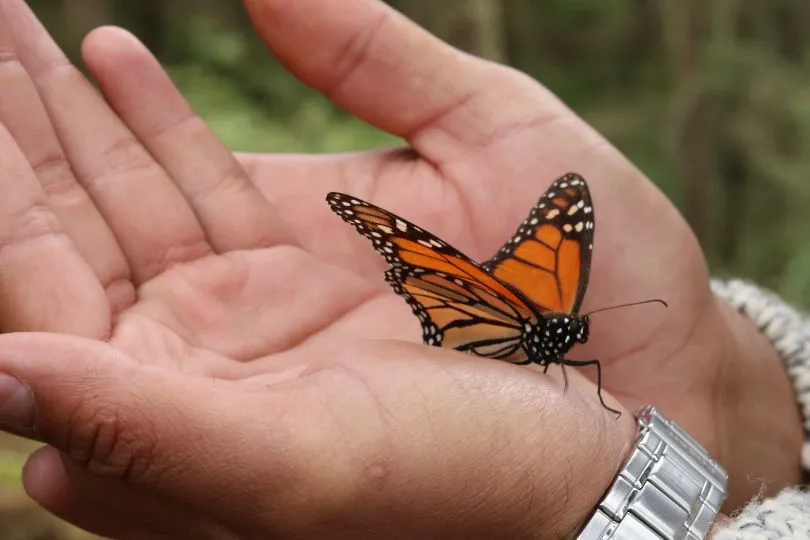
[653,301]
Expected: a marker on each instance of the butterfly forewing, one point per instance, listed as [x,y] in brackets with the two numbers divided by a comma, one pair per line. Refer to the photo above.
[458,303]
[549,257]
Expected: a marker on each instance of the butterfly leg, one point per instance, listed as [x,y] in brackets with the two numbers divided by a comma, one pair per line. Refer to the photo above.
[565,377]
[582,363]
[564,374]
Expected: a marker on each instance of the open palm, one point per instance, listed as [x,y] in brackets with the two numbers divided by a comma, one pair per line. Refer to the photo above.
[158,240]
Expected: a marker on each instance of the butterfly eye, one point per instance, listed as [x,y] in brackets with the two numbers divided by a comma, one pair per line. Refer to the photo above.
[583,327]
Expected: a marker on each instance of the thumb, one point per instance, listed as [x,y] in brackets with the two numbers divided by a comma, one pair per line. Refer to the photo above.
[138,427]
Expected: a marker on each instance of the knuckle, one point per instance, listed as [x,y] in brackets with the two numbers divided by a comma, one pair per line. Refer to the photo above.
[229,179]
[356,51]
[33,222]
[126,154]
[121,160]
[100,440]
[166,256]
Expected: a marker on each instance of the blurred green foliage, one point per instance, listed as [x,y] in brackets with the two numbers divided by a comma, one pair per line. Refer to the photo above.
[710,99]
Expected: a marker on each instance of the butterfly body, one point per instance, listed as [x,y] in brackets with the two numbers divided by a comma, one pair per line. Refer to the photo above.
[548,342]
[521,306]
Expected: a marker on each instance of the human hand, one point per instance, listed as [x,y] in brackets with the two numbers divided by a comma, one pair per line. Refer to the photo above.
[212,310]
[497,140]
[264,309]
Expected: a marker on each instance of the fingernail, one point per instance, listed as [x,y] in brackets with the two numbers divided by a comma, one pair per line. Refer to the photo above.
[16,405]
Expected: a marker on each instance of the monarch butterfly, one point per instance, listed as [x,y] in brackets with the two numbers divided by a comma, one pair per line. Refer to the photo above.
[521,306]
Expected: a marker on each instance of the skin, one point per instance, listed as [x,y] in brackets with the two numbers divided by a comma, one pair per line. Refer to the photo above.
[211,353]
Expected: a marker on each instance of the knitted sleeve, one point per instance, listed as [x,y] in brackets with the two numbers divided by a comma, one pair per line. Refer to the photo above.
[787,515]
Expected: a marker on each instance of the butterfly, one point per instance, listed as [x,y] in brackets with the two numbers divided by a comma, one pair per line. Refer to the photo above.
[521,306]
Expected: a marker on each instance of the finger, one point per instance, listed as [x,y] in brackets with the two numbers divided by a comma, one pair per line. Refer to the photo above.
[127,426]
[120,420]
[45,284]
[232,211]
[26,119]
[301,201]
[107,507]
[377,64]
[46,482]
[149,216]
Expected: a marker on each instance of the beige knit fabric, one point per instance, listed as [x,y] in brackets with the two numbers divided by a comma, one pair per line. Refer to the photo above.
[787,515]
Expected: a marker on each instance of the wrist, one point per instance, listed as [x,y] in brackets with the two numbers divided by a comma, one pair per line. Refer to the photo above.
[760,430]
[670,487]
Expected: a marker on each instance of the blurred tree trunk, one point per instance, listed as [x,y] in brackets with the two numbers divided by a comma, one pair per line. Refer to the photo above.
[761,157]
[488,27]
[517,47]
[792,21]
[149,24]
[686,26]
[696,136]
[148,21]
[734,180]
[81,16]
[475,26]
[734,168]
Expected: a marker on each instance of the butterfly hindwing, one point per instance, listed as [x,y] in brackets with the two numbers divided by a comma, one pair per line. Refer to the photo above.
[458,303]
[549,257]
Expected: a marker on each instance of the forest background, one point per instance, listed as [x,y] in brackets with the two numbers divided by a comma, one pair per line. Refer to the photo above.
[710,99]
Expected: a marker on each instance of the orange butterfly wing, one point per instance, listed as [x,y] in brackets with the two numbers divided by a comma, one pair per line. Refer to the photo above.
[549,257]
[458,303]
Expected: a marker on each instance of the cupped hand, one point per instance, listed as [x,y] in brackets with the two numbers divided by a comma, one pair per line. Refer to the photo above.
[224,383]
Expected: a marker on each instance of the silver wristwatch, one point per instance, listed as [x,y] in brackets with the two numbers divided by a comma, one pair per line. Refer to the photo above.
[668,489]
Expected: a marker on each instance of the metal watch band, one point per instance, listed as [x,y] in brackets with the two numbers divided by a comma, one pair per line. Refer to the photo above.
[669,488]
